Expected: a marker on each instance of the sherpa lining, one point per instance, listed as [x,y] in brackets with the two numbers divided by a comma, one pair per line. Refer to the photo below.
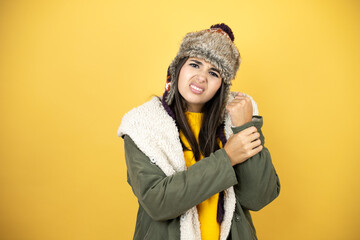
[156,135]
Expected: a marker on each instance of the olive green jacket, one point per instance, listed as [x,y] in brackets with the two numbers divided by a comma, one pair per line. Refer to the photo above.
[168,193]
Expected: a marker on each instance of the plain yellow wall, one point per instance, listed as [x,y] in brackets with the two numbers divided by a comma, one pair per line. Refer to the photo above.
[69,70]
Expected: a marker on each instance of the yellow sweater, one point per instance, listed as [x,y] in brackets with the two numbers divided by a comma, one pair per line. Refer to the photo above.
[210,228]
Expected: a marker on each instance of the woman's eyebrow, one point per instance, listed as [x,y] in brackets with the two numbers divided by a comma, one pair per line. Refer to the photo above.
[200,63]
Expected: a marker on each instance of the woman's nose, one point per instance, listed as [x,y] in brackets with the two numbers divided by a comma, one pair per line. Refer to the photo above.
[201,77]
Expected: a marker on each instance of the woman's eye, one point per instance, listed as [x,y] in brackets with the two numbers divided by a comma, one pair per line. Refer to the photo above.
[214,74]
[194,65]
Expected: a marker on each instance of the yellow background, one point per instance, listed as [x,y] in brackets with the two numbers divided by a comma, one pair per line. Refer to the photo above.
[69,70]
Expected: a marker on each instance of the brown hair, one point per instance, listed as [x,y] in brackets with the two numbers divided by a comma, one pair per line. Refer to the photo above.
[212,125]
[211,119]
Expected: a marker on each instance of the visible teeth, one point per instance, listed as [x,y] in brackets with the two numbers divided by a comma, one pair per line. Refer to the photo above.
[199,89]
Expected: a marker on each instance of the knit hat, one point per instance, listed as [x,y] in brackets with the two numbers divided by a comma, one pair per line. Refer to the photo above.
[214,45]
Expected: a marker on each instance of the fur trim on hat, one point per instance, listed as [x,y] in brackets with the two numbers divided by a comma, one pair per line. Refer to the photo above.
[215,47]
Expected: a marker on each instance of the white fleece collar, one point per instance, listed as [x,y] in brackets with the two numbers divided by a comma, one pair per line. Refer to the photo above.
[156,135]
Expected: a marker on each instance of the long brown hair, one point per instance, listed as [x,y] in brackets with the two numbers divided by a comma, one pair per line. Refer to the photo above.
[211,119]
[212,126]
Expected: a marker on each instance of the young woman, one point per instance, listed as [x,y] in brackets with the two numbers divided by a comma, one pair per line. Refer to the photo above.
[195,156]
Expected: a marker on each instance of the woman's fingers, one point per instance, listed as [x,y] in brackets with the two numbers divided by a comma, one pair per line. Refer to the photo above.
[253,136]
[255,144]
[252,139]
[243,145]
[256,150]
[249,130]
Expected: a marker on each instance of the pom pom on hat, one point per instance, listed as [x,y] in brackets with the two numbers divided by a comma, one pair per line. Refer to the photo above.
[225,28]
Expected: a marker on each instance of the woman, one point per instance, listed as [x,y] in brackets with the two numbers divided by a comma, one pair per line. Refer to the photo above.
[188,185]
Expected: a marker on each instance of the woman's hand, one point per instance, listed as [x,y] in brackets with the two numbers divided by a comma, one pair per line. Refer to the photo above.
[243,145]
[240,110]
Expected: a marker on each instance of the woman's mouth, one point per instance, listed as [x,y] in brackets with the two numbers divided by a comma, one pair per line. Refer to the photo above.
[196,89]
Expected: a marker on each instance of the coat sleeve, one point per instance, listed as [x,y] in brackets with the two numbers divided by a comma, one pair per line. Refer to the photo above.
[167,197]
[258,182]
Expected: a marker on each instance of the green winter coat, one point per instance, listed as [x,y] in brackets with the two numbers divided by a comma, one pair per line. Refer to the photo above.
[167,192]
[163,199]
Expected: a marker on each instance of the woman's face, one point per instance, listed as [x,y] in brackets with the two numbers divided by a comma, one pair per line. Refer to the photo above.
[198,82]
